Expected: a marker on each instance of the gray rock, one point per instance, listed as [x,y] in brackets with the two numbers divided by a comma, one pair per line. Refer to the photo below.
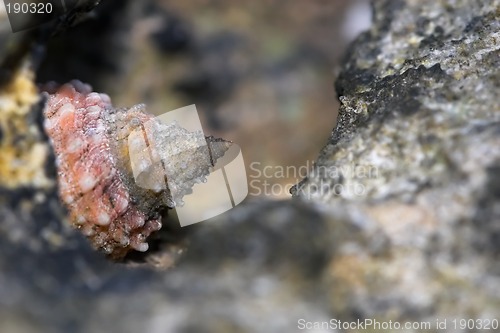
[416,149]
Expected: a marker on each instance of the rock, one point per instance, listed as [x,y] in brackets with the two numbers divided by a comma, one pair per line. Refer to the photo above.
[415,151]
[398,221]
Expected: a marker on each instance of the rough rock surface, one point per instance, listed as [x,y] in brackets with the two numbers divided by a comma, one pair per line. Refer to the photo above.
[416,154]
[412,233]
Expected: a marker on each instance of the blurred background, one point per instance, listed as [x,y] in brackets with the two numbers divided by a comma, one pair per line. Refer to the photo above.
[261,73]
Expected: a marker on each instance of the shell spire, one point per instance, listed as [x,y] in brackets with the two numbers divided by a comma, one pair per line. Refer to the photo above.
[217,148]
[119,170]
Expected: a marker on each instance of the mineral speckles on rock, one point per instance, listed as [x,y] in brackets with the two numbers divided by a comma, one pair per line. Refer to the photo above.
[96,180]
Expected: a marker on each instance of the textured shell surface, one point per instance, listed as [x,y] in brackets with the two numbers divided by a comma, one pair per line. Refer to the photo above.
[91,141]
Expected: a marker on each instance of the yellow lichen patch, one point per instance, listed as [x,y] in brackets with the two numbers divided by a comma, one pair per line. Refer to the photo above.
[22,152]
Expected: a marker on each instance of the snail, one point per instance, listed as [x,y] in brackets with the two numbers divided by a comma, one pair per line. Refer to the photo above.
[113,165]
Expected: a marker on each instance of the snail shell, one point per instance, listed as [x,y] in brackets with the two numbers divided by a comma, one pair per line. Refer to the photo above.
[98,151]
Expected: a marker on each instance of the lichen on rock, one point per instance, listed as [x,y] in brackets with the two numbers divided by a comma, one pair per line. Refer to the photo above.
[23,155]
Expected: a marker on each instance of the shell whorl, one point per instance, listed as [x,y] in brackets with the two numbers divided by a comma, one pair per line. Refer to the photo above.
[92,144]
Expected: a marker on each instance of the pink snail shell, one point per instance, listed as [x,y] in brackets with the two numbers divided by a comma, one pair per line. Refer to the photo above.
[89,138]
